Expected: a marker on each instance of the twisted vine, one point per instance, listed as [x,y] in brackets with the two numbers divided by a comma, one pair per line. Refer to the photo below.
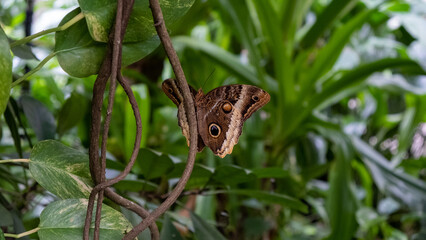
[110,69]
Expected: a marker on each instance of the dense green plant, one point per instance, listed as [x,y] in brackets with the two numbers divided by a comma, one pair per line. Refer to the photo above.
[331,156]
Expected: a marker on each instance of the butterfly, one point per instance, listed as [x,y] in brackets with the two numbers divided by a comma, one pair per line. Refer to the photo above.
[221,113]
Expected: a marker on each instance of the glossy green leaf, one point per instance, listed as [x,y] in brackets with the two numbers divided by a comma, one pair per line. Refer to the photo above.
[80,56]
[270,197]
[71,113]
[39,117]
[61,170]
[152,165]
[231,175]
[64,219]
[169,231]
[2,235]
[5,70]
[203,230]
[100,15]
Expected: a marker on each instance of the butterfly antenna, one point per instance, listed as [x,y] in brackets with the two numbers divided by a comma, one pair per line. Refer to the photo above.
[211,74]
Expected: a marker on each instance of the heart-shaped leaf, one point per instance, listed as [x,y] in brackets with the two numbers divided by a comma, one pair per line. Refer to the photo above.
[100,15]
[61,170]
[71,113]
[203,230]
[200,175]
[231,175]
[39,117]
[80,56]
[5,70]
[152,165]
[64,220]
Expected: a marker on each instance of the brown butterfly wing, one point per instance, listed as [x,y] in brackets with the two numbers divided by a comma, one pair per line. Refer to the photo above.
[173,91]
[226,108]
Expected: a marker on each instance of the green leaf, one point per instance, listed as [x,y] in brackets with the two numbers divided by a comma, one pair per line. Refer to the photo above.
[270,197]
[152,165]
[349,79]
[10,115]
[255,227]
[396,83]
[136,186]
[238,13]
[80,56]
[199,177]
[270,172]
[335,10]
[61,170]
[329,54]
[18,225]
[280,51]
[203,230]
[39,117]
[367,182]
[64,220]
[401,186]
[123,124]
[228,61]
[24,52]
[5,70]
[169,231]
[341,201]
[71,113]
[231,175]
[142,98]
[100,15]
[6,218]
[368,218]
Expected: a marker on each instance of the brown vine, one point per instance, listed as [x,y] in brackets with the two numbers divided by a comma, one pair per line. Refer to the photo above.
[161,29]
[110,69]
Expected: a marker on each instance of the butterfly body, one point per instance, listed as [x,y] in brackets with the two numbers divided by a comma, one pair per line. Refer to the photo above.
[220,113]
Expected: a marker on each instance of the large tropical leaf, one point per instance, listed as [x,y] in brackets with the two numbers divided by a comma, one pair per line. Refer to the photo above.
[403,187]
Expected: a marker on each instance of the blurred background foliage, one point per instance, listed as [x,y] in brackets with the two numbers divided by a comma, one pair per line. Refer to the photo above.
[338,153]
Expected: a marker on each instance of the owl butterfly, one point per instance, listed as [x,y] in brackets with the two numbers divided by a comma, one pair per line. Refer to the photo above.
[220,113]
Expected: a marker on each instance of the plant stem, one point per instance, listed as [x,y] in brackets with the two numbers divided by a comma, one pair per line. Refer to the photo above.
[39,66]
[56,29]
[15,160]
[21,234]
[160,26]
